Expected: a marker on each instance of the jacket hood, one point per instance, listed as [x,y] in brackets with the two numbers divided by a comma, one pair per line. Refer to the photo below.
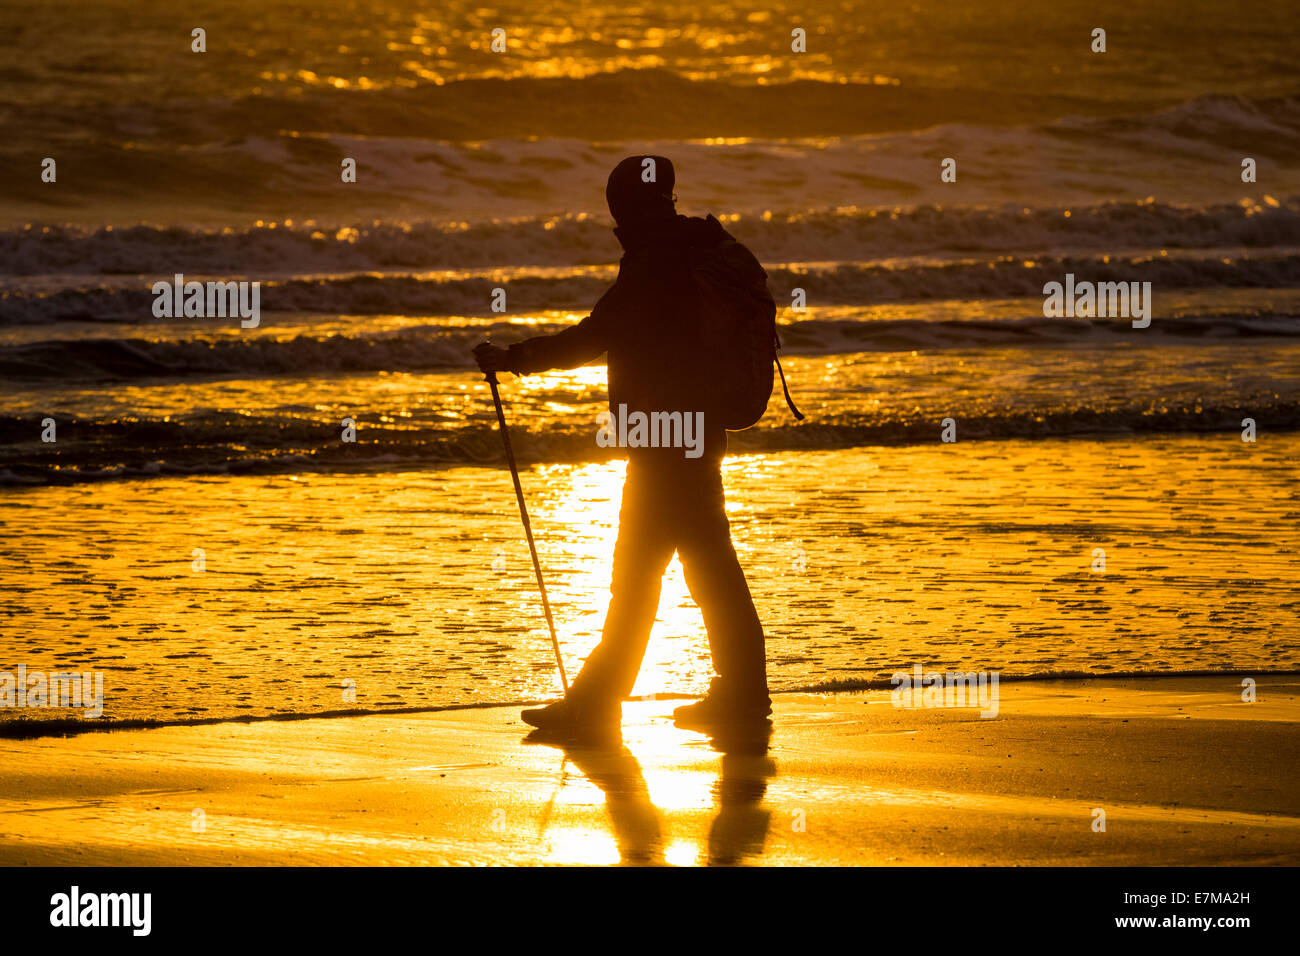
[677,230]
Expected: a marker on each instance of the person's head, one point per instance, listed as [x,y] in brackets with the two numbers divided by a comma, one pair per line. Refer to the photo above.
[641,188]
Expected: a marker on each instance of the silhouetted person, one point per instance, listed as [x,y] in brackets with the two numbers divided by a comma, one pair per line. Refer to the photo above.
[647,325]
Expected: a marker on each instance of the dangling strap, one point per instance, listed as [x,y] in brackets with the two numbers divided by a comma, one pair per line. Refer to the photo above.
[798,415]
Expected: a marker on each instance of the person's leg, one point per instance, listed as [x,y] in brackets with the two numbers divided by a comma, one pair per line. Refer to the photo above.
[718,586]
[641,555]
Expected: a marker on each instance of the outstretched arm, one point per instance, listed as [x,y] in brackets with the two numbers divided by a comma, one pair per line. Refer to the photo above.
[568,348]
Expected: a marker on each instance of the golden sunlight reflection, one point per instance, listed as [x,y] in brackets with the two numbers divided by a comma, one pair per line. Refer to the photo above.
[682,853]
[584,846]
[591,376]
[582,525]
[661,799]
[580,516]
[672,786]
[654,803]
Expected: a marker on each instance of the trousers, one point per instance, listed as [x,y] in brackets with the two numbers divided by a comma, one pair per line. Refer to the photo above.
[675,505]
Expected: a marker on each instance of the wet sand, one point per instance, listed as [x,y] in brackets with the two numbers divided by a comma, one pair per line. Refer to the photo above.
[417,586]
[1186,772]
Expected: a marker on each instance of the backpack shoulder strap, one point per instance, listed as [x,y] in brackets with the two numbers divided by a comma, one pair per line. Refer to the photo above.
[798,415]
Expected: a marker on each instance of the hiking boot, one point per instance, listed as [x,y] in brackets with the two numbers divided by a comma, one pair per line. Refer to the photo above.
[576,719]
[723,707]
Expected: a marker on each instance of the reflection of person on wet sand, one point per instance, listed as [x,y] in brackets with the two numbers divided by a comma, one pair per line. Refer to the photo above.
[633,818]
[738,830]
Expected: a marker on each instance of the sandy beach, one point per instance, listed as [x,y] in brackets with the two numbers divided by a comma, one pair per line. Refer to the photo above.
[1186,772]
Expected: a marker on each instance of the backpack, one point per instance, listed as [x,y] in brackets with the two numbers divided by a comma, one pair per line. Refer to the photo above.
[737,330]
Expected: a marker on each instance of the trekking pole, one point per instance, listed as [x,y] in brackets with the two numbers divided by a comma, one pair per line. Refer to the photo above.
[528,528]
